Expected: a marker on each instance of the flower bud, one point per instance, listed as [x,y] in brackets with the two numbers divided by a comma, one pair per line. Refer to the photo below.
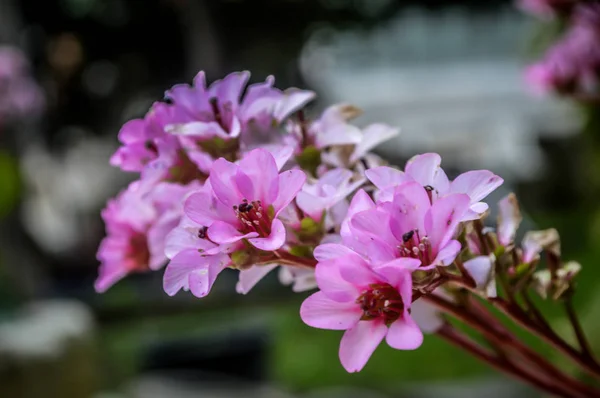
[555,288]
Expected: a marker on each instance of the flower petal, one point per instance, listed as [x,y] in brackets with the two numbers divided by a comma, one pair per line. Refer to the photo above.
[222,181]
[384,177]
[443,218]
[330,251]
[290,183]
[274,241]
[426,316]
[447,254]
[372,136]
[509,219]
[250,277]
[204,208]
[178,274]
[404,334]
[411,203]
[359,343]
[222,232]
[426,170]
[331,282]
[398,270]
[477,184]
[481,270]
[260,168]
[319,311]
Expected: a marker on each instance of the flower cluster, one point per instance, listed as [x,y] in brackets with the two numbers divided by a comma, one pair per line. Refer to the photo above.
[235,177]
[20,95]
[572,65]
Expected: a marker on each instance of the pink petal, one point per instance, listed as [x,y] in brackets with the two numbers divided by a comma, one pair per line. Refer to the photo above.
[222,181]
[357,271]
[182,238]
[204,208]
[261,169]
[481,270]
[330,251]
[200,282]
[373,135]
[509,219]
[200,130]
[374,225]
[477,184]
[411,204]
[178,274]
[426,170]
[338,134]
[361,201]
[250,277]
[359,343]
[443,218]
[281,154]
[293,99]
[222,232]
[132,131]
[447,254]
[107,277]
[229,89]
[312,206]
[331,282]
[274,241]
[397,271]
[426,316]
[319,311]
[290,183]
[245,186]
[404,334]
[385,177]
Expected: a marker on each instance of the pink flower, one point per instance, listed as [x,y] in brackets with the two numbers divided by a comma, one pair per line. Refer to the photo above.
[189,267]
[141,139]
[426,170]
[137,223]
[202,113]
[572,64]
[20,95]
[125,248]
[329,190]
[370,304]
[245,201]
[408,227]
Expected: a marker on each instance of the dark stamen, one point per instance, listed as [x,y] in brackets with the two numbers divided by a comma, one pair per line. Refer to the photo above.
[408,236]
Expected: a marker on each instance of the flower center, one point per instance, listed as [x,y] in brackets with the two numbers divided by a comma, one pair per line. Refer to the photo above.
[253,217]
[416,247]
[138,255]
[381,301]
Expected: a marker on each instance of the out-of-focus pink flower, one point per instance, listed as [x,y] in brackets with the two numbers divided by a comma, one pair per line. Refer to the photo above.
[202,113]
[246,200]
[333,131]
[572,65]
[369,303]
[137,224]
[20,95]
[141,139]
[545,9]
[426,169]
[331,189]
[408,227]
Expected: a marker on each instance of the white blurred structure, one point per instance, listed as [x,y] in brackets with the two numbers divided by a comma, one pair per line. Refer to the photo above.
[452,81]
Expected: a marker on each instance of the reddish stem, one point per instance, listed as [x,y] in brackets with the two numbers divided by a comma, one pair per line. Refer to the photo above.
[461,340]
